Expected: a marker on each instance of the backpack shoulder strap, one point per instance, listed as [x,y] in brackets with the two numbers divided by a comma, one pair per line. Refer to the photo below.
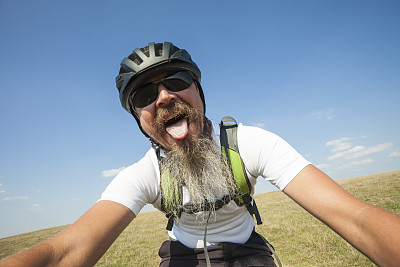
[230,148]
[229,145]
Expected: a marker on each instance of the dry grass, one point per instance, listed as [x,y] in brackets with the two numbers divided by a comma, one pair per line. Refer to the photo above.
[139,243]
[299,238]
[13,244]
[302,240]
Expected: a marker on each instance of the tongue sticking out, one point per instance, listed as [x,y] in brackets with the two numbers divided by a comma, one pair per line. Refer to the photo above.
[178,130]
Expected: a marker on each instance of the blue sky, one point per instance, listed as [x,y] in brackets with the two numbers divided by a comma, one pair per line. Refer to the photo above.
[324,75]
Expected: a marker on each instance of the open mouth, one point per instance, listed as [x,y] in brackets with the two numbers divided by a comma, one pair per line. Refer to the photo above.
[177,127]
[174,120]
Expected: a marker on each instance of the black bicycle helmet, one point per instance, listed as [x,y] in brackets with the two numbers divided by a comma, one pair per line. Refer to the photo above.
[149,61]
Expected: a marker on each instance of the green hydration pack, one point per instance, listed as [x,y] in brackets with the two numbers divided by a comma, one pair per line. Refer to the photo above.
[230,149]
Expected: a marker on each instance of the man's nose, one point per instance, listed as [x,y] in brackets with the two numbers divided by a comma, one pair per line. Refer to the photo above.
[164,96]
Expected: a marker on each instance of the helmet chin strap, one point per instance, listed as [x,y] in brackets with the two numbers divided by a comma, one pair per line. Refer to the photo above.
[157,147]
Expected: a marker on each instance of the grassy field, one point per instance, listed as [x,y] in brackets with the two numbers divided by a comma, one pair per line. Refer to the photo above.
[299,239]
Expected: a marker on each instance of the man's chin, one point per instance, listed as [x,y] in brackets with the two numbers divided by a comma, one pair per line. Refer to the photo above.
[177,145]
[182,145]
[167,142]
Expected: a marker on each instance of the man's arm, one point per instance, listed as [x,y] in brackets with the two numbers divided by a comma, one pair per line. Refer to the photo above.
[83,243]
[372,230]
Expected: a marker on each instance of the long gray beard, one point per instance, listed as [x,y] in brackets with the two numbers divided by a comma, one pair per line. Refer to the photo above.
[202,172]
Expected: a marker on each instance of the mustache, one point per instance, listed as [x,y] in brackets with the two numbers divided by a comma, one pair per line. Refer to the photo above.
[173,112]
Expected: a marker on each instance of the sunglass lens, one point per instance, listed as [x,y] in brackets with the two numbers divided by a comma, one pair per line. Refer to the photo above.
[149,93]
[146,96]
[175,85]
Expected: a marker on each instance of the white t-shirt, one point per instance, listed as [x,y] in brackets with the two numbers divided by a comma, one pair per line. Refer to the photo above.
[264,154]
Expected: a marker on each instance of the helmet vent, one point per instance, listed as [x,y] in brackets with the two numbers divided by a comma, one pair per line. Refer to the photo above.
[145,51]
[159,49]
[135,58]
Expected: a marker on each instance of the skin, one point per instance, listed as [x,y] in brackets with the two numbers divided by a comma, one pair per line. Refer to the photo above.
[83,243]
[373,231]
[147,114]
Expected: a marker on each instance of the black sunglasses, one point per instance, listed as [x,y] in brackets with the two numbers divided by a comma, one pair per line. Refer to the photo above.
[148,93]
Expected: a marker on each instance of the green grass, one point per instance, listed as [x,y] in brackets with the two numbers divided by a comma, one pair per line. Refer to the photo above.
[299,238]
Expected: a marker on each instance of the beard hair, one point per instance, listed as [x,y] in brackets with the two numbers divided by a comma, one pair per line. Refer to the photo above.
[174,110]
[202,171]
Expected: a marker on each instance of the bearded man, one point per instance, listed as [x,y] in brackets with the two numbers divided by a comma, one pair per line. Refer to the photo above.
[159,85]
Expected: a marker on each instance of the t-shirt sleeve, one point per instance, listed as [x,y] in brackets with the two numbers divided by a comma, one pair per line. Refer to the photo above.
[135,186]
[268,155]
